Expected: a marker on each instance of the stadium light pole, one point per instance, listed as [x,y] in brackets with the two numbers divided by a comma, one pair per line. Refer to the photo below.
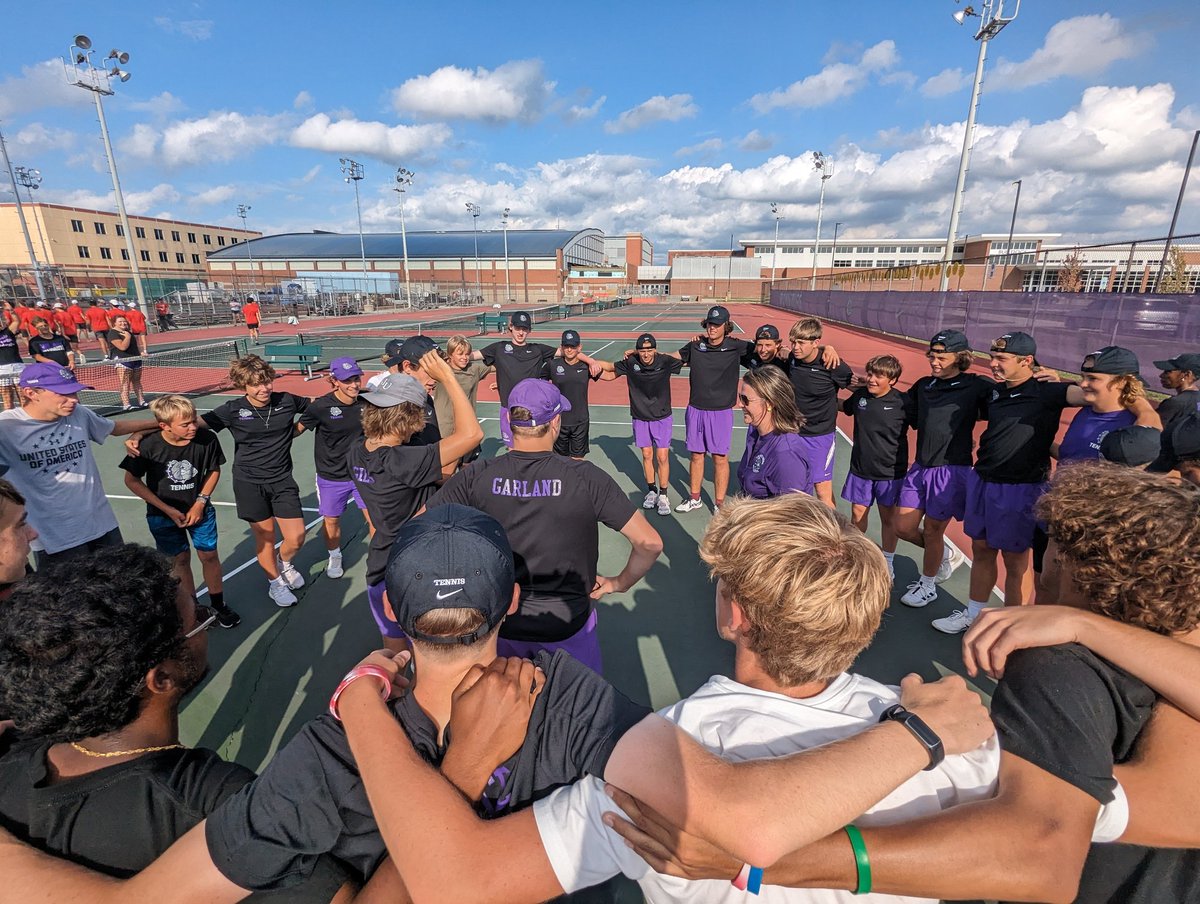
[404,179]
[823,165]
[473,210]
[1162,264]
[991,22]
[242,210]
[507,285]
[32,180]
[1012,225]
[353,171]
[775,249]
[833,257]
[83,73]
[37,271]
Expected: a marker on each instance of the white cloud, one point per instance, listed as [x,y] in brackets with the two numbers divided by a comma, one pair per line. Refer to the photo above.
[702,149]
[514,91]
[391,144]
[903,78]
[579,112]
[163,104]
[37,138]
[834,81]
[945,82]
[310,175]
[196,29]
[656,109]
[1081,46]
[754,140]
[302,101]
[40,85]
[145,201]
[137,202]
[218,194]
[142,142]
[218,137]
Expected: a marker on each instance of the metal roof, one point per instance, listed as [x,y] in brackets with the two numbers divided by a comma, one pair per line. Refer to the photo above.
[522,243]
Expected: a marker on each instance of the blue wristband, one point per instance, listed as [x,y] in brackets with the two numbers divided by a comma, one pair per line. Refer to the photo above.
[754,882]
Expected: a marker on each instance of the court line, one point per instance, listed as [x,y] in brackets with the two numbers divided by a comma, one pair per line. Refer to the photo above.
[226,575]
[212,501]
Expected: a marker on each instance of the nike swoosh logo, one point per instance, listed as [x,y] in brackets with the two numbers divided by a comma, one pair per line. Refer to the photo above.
[886,408]
[446,596]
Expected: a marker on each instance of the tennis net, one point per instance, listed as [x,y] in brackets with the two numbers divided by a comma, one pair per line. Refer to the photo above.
[190,371]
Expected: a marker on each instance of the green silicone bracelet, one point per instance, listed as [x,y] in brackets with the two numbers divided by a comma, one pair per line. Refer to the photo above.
[861,861]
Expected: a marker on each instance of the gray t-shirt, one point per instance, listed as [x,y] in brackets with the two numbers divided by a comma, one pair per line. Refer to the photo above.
[52,466]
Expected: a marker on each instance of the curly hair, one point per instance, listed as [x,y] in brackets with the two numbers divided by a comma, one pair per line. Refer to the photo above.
[404,420]
[250,370]
[1133,540]
[78,638]
[777,391]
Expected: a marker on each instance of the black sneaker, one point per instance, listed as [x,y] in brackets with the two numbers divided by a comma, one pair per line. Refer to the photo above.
[227,618]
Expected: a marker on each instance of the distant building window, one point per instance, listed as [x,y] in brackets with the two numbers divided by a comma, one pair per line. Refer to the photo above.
[175,235]
[158,234]
[864,263]
[909,262]
[179,259]
[195,259]
[232,240]
[140,232]
[120,229]
[220,240]
[83,251]
[162,256]
[826,249]
[207,239]
[99,228]
[106,254]
[910,249]
[933,249]
[77,225]
[192,237]
[886,249]
[841,262]
[145,255]
[124,255]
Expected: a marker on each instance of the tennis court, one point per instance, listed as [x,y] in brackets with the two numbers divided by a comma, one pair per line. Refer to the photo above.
[277,669]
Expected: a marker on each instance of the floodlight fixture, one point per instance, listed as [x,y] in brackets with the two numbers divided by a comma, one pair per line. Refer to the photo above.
[83,42]
[404,178]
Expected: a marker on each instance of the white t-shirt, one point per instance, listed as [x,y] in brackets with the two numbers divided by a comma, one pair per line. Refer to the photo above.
[52,466]
[742,723]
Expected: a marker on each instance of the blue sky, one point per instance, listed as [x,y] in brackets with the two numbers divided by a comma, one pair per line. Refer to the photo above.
[682,121]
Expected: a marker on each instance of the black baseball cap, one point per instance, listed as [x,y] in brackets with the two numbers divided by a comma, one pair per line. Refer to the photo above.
[718,315]
[1187,361]
[767,331]
[411,350]
[1015,343]
[392,350]
[1132,445]
[570,339]
[1111,360]
[646,340]
[949,341]
[521,320]
[451,557]
[1184,437]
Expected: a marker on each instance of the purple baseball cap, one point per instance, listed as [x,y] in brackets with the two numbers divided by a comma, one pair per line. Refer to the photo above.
[54,377]
[344,368]
[541,398]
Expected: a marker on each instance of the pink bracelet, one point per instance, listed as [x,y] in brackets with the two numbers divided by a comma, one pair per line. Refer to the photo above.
[362,671]
[739,881]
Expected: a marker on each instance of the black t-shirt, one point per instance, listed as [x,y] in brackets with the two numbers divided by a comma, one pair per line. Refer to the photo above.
[515,363]
[649,387]
[310,798]
[262,437]
[817,392]
[572,381]
[880,435]
[1075,715]
[1022,423]
[394,482]
[1176,406]
[130,352]
[713,372]
[945,411]
[752,361]
[175,474]
[551,507]
[9,352]
[337,424]
[55,349]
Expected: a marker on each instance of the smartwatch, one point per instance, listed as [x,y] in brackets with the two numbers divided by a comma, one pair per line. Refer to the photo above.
[203,498]
[922,732]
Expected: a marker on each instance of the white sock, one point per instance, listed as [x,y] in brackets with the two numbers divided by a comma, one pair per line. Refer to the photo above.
[974,608]
[335,553]
[927,582]
[947,553]
[890,556]
[279,581]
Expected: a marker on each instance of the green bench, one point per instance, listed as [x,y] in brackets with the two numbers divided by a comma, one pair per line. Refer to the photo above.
[305,357]
[488,321]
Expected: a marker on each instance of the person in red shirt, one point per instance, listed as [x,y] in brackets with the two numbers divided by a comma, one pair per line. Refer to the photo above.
[250,313]
[98,324]
[76,313]
[25,314]
[137,325]
[65,323]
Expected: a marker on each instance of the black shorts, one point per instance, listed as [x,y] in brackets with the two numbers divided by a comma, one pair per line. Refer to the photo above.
[259,501]
[572,440]
[1040,541]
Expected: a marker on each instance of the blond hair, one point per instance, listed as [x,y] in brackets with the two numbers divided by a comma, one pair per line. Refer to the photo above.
[812,588]
[808,328]
[517,413]
[250,370]
[454,343]
[170,408]
[777,391]
[450,623]
[404,420]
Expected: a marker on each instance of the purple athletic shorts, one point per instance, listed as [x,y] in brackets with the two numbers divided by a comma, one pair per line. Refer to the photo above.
[333,496]
[1001,514]
[864,491]
[505,429]
[819,452]
[941,492]
[709,431]
[653,433]
[584,645]
[387,627]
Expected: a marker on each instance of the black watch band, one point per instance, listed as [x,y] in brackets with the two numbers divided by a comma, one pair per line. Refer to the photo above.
[922,732]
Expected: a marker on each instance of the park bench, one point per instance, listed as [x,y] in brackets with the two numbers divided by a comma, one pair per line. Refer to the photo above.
[488,321]
[304,357]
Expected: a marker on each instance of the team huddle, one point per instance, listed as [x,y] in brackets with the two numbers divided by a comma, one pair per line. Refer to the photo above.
[486,724]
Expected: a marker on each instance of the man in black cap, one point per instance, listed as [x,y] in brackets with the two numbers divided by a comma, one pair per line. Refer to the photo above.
[571,374]
[765,349]
[405,358]
[1179,374]
[649,379]
[1181,447]
[1132,446]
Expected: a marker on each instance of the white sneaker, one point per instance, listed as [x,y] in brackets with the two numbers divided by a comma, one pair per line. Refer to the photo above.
[919,595]
[689,505]
[651,500]
[287,571]
[664,504]
[282,596]
[334,568]
[954,623]
[949,563]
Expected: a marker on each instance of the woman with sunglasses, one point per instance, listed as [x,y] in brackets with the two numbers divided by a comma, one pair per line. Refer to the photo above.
[774,462]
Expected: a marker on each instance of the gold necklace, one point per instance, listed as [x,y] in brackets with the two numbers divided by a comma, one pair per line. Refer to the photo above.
[115,753]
